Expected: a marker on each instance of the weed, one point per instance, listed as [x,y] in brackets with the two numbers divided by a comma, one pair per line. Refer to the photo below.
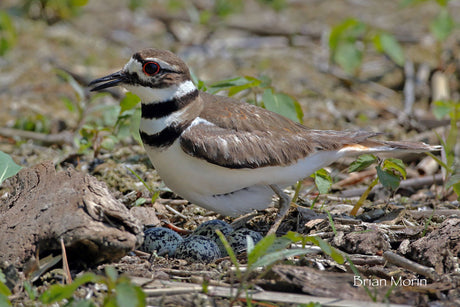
[8,168]
[389,174]
[4,291]
[120,291]
[349,39]
[52,11]
[262,92]
[267,252]
[8,33]
[101,126]
[449,143]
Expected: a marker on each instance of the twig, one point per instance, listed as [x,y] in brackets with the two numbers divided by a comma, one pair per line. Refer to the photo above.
[170,291]
[415,183]
[410,265]
[175,211]
[409,87]
[64,137]
[65,264]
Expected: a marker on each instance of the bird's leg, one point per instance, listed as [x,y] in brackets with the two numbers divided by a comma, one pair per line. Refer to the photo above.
[283,207]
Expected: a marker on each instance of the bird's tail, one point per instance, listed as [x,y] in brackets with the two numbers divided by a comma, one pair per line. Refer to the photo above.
[370,146]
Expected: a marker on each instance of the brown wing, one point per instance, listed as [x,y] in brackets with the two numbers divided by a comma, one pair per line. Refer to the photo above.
[245,136]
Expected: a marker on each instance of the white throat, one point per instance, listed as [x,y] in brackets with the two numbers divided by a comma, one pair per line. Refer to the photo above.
[156,95]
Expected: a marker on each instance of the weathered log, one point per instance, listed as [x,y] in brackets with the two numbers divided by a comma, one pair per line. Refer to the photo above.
[48,206]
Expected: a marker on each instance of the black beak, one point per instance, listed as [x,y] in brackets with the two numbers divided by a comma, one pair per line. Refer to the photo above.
[110,80]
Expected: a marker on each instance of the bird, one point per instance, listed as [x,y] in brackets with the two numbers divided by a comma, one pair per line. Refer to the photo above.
[224,154]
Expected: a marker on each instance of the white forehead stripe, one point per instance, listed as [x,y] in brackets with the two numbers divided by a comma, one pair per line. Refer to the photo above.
[162,64]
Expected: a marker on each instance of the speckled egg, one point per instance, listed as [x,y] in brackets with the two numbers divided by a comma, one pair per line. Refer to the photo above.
[237,239]
[208,229]
[162,240]
[198,248]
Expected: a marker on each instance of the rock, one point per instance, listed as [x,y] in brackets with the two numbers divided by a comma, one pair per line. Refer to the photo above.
[439,249]
[368,243]
[48,206]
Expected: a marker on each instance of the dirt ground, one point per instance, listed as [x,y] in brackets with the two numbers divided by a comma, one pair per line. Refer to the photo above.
[420,223]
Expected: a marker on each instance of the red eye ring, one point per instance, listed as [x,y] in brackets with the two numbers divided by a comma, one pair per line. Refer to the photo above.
[151,68]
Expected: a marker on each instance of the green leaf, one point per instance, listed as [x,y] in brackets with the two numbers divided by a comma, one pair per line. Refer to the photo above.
[280,103]
[454,179]
[387,179]
[260,249]
[8,33]
[129,102]
[83,303]
[442,25]
[361,163]
[323,180]
[230,252]
[441,108]
[57,292]
[4,301]
[79,2]
[79,90]
[325,247]
[251,82]
[7,167]
[69,104]
[226,84]
[388,44]
[347,31]
[349,57]
[4,290]
[271,258]
[129,295]
[396,165]
[343,44]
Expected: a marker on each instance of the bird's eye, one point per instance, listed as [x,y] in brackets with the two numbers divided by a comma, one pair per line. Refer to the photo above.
[151,68]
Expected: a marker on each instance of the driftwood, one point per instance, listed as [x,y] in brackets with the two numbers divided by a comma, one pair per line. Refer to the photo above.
[48,206]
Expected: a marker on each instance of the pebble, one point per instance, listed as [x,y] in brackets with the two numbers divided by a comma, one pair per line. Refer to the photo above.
[162,240]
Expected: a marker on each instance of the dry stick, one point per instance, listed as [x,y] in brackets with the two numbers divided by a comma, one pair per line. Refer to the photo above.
[175,211]
[65,137]
[410,265]
[65,264]
[409,183]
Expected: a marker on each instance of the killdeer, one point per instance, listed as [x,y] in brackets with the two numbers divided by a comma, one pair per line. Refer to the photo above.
[222,154]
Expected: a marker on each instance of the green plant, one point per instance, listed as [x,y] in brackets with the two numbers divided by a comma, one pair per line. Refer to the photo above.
[101,126]
[4,291]
[8,33]
[449,142]
[259,92]
[33,122]
[323,180]
[349,39]
[120,291]
[7,167]
[267,252]
[155,193]
[52,11]
[389,174]
[440,26]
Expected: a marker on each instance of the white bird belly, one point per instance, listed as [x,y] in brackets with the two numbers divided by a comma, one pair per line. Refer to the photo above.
[228,191]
